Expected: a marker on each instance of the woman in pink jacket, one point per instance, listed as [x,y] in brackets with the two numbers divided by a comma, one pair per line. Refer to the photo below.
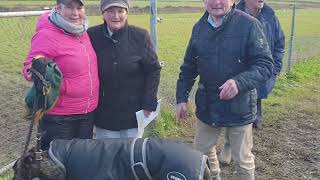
[61,36]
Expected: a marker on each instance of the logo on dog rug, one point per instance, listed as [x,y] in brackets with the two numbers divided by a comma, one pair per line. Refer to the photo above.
[175,176]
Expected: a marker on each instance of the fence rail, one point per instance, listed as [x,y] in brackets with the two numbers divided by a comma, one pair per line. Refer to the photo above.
[21,14]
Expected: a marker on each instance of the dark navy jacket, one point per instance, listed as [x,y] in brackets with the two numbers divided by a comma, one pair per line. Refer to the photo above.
[236,50]
[276,41]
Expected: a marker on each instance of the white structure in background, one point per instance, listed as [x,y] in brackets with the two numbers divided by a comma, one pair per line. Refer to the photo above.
[159,19]
[23,13]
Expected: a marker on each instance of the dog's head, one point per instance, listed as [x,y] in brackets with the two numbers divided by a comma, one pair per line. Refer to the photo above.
[28,167]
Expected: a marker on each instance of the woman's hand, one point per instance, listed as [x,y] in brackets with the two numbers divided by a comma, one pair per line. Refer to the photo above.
[146,113]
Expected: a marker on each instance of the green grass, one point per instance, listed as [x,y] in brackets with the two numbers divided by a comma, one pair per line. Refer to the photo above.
[292,86]
[7,176]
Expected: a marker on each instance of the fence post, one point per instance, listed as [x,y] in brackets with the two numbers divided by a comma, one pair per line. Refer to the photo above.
[292,35]
[153,23]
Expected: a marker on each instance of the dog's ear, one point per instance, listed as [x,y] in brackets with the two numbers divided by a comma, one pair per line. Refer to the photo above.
[15,166]
[26,167]
[29,157]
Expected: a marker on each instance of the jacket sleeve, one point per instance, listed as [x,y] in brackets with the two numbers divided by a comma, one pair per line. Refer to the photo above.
[188,73]
[152,70]
[40,45]
[258,58]
[279,46]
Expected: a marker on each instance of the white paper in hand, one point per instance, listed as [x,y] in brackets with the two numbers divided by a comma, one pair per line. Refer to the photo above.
[143,121]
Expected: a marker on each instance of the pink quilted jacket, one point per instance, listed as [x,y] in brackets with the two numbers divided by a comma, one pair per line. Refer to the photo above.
[77,61]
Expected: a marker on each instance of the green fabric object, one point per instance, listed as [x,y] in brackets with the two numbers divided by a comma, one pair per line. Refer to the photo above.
[35,97]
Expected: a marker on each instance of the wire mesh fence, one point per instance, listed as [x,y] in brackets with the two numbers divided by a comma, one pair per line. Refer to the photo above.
[173,31]
[15,34]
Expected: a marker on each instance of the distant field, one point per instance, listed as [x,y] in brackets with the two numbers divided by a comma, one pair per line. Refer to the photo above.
[132,4]
[135,3]
[38,4]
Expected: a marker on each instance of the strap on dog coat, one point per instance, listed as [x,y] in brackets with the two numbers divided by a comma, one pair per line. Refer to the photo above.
[138,159]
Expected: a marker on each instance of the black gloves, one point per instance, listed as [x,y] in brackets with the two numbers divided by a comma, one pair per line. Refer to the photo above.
[38,71]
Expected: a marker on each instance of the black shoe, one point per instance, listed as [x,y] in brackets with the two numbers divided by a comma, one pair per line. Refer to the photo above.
[257,125]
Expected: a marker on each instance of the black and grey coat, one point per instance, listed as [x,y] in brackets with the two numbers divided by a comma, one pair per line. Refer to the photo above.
[236,50]
[127,159]
[129,74]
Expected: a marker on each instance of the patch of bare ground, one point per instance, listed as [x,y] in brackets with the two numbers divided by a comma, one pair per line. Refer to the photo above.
[13,127]
[289,148]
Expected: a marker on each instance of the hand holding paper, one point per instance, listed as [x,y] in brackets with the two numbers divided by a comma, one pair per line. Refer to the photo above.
[143,121]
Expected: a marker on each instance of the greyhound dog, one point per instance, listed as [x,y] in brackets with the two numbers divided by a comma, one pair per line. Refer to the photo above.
[113,159]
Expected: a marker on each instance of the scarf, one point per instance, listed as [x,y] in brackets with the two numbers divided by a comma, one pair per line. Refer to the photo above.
[68,27]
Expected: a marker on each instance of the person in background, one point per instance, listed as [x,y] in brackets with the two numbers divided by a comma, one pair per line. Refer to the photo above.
[61,36]
[129,72]
[230,54]
[276,41]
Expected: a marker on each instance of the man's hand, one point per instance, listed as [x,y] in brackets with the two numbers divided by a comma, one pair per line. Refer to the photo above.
[146,113]
[228,90]
[182,111]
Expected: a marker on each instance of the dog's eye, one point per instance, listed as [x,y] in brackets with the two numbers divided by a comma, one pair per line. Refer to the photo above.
[28,159]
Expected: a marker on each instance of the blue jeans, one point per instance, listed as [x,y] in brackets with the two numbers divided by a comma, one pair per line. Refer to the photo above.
[124,133]
[65,127]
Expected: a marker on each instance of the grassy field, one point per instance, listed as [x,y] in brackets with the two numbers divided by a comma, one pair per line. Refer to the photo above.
[173,35]
[143,3]
[132,4]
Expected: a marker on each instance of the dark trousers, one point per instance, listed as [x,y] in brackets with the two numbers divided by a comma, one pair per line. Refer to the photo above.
[65,127]
[258,122]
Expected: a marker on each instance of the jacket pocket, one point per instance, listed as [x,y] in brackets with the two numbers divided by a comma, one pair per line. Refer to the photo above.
[232,47]
[244,104]
[200,100]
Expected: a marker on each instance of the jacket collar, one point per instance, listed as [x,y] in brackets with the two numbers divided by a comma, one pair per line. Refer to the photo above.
[204,18]
[266,10]
[115,34]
